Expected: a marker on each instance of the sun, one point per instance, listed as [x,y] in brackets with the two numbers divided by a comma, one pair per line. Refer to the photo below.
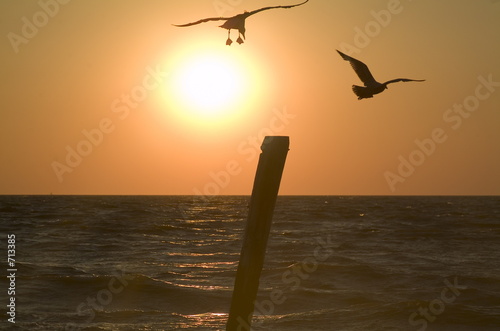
[210,85]
[213,87]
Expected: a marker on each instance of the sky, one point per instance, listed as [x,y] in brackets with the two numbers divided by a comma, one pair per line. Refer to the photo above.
[108,97]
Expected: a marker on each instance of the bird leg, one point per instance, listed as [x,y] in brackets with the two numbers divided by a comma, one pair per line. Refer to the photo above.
[229,41]
[240,41]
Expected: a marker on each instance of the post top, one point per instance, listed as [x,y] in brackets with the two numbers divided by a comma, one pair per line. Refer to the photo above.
[275,142]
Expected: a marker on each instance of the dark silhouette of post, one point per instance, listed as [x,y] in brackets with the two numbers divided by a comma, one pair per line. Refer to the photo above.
[264,194]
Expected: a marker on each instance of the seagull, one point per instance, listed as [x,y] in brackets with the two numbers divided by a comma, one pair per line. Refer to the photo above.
[236,22]
[371,85]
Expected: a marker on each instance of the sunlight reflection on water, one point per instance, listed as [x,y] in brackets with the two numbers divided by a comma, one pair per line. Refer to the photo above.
[206,320]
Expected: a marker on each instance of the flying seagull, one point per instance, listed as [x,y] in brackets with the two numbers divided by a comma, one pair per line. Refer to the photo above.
[236,22]
[371,85]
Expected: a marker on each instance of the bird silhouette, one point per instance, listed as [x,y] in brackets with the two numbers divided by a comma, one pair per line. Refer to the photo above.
[371,87]
[236,22]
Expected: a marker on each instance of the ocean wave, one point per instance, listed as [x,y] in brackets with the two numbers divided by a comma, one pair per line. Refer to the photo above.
[170,262]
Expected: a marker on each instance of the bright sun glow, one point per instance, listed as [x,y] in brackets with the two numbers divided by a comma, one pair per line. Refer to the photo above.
[211,88]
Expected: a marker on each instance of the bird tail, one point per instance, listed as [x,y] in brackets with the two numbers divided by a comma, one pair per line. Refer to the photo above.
[362,92]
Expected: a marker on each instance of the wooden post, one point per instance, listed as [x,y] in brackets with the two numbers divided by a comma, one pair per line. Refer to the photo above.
[264,194]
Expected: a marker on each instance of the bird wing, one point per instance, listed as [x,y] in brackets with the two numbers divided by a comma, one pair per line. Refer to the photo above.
[273,7]
[403,80]
[360,68]
[246,14]
[203,21]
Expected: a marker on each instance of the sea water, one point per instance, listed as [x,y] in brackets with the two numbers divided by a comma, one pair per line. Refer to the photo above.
[332,263]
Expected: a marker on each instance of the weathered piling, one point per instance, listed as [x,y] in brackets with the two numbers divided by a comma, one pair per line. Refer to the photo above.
[264,193]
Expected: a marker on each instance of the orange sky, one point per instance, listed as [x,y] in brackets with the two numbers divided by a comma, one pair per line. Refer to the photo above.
[94,98]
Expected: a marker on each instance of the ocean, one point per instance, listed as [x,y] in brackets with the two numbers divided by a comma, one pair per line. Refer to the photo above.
[169,262]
